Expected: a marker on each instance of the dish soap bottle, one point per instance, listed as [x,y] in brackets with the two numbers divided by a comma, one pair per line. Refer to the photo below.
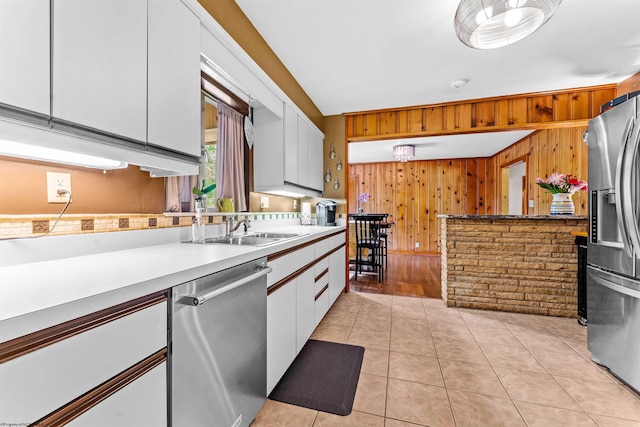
[198,226]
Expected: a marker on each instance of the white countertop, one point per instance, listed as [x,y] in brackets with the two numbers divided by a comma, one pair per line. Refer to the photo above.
[40,294]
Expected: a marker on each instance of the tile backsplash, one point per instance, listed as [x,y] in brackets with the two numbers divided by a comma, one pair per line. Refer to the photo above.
[16,226]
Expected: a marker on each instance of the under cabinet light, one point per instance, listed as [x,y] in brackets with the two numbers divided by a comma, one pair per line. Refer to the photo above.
[46,154]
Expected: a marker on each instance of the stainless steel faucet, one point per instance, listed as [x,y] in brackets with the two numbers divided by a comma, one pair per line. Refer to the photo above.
[231,227]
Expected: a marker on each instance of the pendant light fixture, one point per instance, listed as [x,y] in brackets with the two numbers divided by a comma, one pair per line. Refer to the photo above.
[490,24]
[404,152]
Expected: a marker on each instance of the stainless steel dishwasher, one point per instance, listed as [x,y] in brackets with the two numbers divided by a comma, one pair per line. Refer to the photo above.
[218,348]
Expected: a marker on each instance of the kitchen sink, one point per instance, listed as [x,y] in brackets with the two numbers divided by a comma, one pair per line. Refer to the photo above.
[253,239]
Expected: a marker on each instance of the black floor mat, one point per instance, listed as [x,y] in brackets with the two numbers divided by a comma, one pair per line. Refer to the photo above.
[324,377]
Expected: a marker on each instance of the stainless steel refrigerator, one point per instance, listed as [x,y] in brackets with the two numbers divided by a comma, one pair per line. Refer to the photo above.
[613,248]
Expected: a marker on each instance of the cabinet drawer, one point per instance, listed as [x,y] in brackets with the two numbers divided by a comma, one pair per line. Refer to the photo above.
[39,382]
[290,263]
[335,241]
[321,266]
[321,282]
[321,306]
[142,403]
[321,248]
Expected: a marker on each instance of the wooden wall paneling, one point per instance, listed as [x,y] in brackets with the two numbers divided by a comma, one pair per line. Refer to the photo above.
[472,186]
[579,106]
[434,119]
[598,98]
[540,109]
[518,111]
[402,208]
[561,107]
[579,167]
[491,185]
[457,186]
[414,120]
[391,183]
[449,117]
[463,116]
[403,121]
[371,124]
[483,114]
[422,233]
[502,113]
[434,210]
[388,123]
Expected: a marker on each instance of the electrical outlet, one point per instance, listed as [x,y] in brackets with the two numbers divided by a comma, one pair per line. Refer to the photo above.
[264,202]
[58,187]
[417,245]
[530,203]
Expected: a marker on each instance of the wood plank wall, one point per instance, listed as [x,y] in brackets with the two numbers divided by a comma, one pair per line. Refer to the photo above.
[567,108]
[414,193]
[546,152]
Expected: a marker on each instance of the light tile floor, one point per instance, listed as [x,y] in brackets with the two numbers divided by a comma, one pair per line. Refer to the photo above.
[429,365]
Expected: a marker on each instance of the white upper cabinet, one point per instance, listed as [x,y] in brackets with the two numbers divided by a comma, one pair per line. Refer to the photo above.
[24,54]
[315,174]
[290,144]
[303,178]
[287,153]
[174,77]
[100,65]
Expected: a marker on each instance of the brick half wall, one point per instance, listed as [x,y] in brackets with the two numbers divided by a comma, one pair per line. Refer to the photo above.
[511,263]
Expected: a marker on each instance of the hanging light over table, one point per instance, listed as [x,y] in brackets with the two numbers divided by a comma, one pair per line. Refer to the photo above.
[489,24]
[404,152]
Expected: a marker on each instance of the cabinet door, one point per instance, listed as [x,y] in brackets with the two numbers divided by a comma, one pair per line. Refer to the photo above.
[281,332]
[174,77]
[290,145]
[337,274]
[100,65]
[315,160]
[303,177]
[142,403]
[305,323]
[24,54]
[42,381]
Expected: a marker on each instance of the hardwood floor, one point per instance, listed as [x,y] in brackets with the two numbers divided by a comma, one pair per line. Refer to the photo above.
[405,275]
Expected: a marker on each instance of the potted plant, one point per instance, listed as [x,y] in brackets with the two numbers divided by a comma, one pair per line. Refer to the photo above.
[562,187]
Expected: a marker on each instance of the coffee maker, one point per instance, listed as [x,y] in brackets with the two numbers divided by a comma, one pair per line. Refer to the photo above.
[326,213]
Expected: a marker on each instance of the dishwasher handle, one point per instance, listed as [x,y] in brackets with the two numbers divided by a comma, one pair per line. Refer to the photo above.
[196,300]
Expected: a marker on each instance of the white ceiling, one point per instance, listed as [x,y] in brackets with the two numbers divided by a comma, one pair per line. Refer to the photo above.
[437,147]
[357,55]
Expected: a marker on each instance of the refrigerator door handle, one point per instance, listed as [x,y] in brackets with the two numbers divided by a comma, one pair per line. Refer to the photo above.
[629,198]
[622,173]
[614,286]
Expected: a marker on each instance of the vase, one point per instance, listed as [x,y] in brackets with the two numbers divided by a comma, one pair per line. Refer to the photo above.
[361,211]
[562,204]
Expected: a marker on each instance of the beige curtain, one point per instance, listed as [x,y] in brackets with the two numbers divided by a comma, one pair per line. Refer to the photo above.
[230,157]
[177,193]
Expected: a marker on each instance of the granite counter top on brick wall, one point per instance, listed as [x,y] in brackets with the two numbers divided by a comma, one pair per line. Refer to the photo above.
[533,217]
[525,264]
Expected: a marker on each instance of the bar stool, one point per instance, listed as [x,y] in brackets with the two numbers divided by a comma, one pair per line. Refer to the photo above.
[367,233]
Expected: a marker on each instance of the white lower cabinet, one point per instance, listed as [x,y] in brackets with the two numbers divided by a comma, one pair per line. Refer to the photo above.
[281,332]
[40,382]
[305,315]
[321,305]
[295,308]
[337,274]
[142,403]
